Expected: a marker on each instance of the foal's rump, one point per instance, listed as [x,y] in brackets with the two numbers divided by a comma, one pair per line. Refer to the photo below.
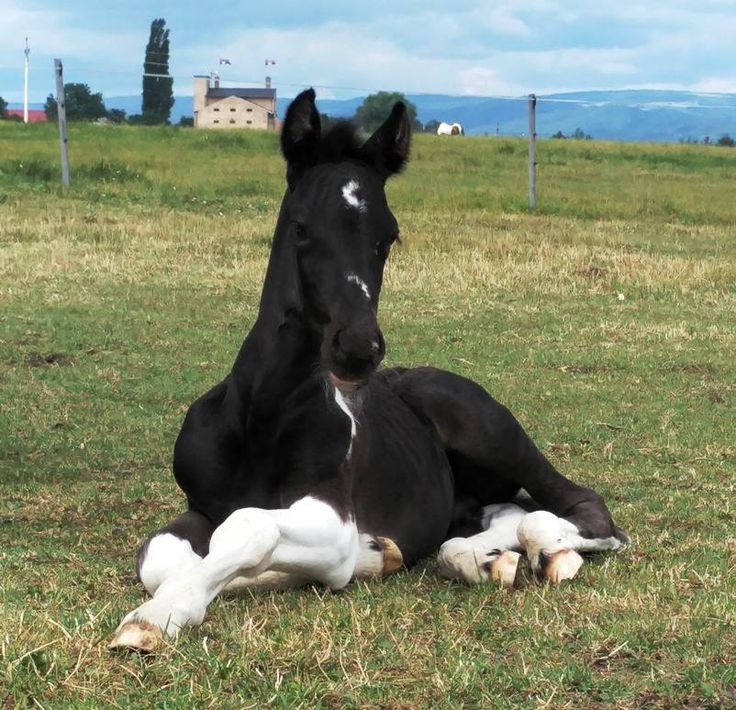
[492,458]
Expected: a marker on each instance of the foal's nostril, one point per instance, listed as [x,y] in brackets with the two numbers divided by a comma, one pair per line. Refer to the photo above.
[356,352]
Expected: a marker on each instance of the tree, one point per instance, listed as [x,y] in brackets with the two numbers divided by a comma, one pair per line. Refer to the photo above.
[186,121]
[431,126]
[158,91]
[376,108]
[559,135]
[326,121]
[579,134]
[116,115]
[81,104]
[3,107]
[726,140]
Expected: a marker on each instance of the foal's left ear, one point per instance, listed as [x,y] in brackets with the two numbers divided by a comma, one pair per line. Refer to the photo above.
[300,133]
[388,147]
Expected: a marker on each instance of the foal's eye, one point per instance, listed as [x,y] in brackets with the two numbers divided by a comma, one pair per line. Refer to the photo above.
[300,233]
[382,248]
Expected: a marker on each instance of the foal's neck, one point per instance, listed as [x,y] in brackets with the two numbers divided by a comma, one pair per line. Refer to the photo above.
[281,350]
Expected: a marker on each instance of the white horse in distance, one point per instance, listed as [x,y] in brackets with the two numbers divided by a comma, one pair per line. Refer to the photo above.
[450,129]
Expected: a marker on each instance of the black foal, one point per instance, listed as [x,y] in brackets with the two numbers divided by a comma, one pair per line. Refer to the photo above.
[308,464]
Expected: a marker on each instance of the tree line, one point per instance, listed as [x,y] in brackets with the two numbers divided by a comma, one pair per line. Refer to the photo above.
[157,96]
[374,109]
[724,141]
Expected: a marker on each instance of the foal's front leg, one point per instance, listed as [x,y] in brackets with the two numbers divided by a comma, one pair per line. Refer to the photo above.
[309,538]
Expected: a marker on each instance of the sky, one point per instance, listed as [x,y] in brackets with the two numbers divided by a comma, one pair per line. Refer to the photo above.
[345,49]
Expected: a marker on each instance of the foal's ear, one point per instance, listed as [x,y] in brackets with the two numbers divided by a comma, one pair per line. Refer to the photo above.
[300,133]
[388,147]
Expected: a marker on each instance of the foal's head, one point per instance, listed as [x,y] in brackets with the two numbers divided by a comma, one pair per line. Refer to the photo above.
[341,229]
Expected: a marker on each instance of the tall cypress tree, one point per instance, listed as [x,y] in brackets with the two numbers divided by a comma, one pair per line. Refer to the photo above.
[158,91]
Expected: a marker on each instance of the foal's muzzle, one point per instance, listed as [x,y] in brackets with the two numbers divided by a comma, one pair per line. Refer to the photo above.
[353,353]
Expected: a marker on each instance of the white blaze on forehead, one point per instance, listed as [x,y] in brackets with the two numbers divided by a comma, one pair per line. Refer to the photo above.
[355,279]
[350,195]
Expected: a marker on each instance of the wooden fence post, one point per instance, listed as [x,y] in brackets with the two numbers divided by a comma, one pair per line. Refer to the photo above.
[61,109]
[532,152]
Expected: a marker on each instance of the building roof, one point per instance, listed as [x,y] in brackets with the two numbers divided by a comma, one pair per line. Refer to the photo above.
[221,93]
[35,115]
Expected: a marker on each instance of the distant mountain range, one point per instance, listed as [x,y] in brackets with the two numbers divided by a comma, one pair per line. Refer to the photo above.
[640,115]
[667,116]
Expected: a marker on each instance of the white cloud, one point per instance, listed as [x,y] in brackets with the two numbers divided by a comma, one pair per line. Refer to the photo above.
[586,62]
[90,55]
[715,85]
[57,34]
[477,47]
[482,81]
[498,21]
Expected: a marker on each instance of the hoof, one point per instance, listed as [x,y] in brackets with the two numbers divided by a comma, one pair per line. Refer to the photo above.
[378,557]
[562,565]
[623,537]
[393,560]
[137,636]
[458,559]
[504,568]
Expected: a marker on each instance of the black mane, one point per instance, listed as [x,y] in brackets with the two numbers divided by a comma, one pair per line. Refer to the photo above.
[304,144]
[341,141]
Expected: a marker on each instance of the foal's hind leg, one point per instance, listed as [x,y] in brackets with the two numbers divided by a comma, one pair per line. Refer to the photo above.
[489,555]
[552,544]
[492,458]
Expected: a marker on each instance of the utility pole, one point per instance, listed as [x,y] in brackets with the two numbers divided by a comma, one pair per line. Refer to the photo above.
[61,109]
[532,152]
[25,84]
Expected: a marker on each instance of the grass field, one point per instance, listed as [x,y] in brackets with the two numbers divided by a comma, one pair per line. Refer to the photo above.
[606,321]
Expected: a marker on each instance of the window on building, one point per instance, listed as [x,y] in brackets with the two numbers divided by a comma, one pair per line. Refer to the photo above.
[249,110]
[232,120]
[232,110]
[249,121]
[217,109]
[217,120]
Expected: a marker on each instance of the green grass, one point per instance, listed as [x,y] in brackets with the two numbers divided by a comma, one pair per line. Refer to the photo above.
[125,298]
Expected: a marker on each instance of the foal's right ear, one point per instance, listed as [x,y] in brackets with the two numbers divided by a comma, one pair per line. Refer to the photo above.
[300,134]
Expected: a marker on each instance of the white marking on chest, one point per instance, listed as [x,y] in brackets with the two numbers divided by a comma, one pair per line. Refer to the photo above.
[355,279]
[340,401]
[350,195]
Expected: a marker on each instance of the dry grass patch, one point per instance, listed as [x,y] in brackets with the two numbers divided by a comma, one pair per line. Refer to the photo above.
[124,300]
